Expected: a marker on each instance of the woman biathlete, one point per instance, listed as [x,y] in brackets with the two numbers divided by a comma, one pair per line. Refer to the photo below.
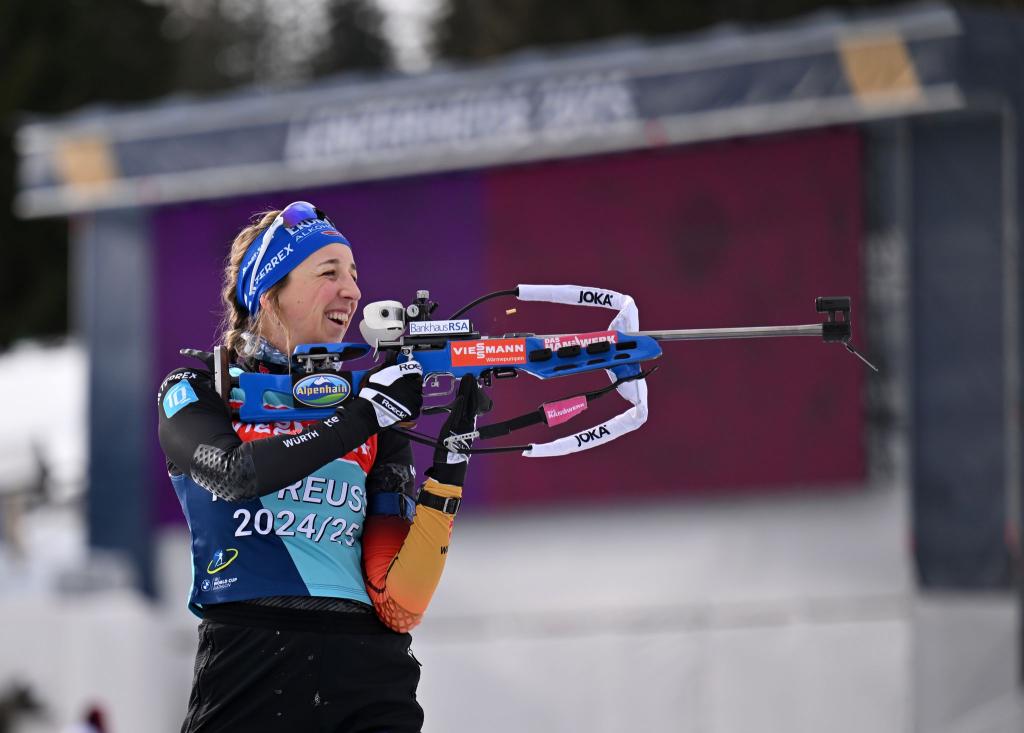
[313,555]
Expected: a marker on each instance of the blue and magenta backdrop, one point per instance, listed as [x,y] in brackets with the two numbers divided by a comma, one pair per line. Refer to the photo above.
[728,234]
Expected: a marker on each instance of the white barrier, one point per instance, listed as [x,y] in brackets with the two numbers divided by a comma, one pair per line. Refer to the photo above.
[112,650]
[785,614]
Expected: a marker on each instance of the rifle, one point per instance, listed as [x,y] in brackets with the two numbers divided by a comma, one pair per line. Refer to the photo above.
[450,348]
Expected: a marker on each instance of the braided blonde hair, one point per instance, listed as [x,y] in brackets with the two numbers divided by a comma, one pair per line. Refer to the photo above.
[237,320]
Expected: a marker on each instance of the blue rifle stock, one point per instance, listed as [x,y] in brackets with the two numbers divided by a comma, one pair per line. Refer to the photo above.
[517,353]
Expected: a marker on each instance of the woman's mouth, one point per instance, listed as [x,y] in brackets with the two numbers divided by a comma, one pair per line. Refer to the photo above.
[339,318]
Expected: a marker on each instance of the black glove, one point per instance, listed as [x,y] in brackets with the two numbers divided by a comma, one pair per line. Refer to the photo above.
[395,391]
[471,401]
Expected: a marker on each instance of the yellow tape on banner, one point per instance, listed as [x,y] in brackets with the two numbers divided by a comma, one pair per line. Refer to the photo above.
[879,69]
[86,161]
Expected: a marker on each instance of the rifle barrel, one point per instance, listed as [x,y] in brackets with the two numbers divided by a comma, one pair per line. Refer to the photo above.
[752,332]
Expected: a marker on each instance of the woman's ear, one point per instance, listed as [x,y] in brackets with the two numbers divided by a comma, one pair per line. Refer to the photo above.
[267,306]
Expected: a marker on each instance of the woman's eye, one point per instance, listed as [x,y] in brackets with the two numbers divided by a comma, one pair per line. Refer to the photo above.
[329,273]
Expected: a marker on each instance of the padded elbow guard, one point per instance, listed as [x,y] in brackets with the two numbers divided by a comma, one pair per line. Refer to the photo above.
[228,475]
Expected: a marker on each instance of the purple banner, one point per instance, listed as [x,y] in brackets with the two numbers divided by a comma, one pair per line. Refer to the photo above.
[729,234]
[732,234]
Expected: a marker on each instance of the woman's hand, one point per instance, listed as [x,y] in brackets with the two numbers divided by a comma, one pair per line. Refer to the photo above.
[396,392]
[471,401]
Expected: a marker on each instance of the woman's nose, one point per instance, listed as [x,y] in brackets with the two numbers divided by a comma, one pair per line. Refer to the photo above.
[349,289]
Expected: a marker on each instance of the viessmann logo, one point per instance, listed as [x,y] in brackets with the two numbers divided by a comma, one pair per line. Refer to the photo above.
[488,352]
[221,559]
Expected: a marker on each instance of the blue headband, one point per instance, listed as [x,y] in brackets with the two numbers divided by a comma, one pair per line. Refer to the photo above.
[297,232]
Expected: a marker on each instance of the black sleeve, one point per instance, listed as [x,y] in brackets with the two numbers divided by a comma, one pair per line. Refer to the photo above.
[393,469]
[197,436]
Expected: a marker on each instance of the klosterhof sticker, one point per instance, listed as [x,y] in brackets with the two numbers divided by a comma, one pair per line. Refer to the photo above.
[488,352]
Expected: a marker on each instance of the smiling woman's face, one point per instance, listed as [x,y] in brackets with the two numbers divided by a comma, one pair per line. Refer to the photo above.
[318,301]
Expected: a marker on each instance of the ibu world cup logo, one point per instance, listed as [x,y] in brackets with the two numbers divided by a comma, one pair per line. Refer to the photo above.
[220,560]
[321,390]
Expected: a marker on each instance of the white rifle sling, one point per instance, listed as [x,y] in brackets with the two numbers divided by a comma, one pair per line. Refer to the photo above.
[627,319]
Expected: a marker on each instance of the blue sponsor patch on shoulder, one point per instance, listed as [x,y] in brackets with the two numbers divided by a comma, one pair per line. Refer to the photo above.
[177,397]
